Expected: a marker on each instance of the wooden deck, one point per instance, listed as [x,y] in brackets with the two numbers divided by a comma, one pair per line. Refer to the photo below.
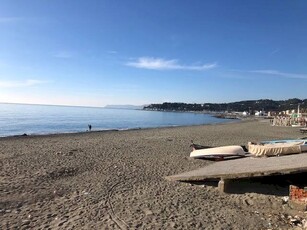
[246,168]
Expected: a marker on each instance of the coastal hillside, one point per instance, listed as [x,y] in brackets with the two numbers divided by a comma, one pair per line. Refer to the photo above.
[240,106]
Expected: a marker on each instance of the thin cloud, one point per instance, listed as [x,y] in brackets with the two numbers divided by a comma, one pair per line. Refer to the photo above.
[162,64]
[18,84]
[279,74]
[112,52]
[10,19]
[63,54]
[274,51]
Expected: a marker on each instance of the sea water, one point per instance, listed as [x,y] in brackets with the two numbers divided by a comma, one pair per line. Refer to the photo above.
[18,119]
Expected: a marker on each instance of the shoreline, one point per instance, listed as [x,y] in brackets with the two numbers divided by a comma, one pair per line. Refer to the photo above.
[116,130]
[107,180]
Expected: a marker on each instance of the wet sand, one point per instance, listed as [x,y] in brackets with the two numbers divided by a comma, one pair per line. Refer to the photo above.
[115,180]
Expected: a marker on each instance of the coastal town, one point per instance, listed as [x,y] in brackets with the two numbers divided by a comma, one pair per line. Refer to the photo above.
[291,112]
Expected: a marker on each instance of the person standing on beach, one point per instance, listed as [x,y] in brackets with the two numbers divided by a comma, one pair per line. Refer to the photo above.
[89,127]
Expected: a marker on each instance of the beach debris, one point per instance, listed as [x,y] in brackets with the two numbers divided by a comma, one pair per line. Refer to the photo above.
[249,202]
[147,211]
[173,224]
[68,153]
[25,222]
[58,192]
[296,221]
[285,199]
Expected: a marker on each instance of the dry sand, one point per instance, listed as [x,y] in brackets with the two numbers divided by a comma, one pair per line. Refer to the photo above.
[115,180]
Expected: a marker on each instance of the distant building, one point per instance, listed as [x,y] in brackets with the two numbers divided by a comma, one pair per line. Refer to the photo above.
[260,113]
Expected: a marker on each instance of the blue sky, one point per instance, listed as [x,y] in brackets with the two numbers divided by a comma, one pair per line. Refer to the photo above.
[99,52]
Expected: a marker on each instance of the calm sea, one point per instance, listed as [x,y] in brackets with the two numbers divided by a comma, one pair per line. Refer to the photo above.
[17,119]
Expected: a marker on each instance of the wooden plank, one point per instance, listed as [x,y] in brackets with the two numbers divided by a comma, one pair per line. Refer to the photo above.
[246,168]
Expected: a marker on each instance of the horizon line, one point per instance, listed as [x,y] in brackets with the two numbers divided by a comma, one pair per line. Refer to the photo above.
[105,106]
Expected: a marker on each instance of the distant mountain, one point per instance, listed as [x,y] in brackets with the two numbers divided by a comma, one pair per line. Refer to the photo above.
[124,106]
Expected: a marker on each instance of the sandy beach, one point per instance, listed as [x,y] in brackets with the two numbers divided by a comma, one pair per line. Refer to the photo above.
[116,180]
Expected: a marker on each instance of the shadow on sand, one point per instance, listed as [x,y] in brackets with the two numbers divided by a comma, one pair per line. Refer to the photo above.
[269,185]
